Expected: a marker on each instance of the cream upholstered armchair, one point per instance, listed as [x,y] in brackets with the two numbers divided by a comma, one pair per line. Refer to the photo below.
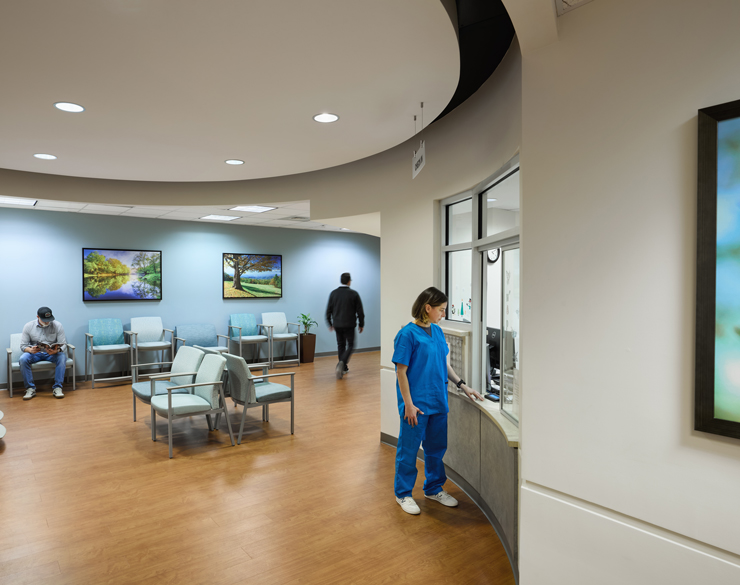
[205,396]
[14,355]
[148,334]
[248,391]
[279,332]
[184,368]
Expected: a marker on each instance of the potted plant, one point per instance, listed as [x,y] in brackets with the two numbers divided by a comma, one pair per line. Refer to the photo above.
[308,340]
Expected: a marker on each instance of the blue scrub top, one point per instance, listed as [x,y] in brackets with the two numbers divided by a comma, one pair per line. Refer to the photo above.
[426,358]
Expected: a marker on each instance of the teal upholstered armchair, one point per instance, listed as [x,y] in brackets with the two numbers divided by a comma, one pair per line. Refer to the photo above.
[249,392]
[14,355]
[200,334]
[184,368]
[279,331]
[244,330]
[205,396]
[148,335]
[106,337]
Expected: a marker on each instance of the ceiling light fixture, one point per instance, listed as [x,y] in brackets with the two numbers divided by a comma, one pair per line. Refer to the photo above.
[234,161]
[220,217]
[69,107]
[45,156]
[326,118]
[252,208]
[345,229]
[490,200]
[17,201]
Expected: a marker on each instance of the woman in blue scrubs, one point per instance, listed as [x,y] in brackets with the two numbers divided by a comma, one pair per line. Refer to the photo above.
[420,354]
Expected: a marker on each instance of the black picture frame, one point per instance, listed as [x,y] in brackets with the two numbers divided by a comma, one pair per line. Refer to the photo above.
[116,283]
[269,265]
[710,415]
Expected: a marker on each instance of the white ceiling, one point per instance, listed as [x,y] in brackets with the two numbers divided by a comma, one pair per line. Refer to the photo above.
[292,214]
[173,88]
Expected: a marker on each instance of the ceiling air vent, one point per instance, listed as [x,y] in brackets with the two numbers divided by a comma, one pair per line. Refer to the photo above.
[297,218]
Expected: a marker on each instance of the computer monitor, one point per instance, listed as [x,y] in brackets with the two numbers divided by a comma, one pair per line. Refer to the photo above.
[493,340]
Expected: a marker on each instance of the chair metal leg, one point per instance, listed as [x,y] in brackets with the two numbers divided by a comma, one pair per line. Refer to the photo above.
[291,413]
[134,407]
[85,364]
[267,413]
[154,425]
[169,429]
[228,422]
[74,374]
[92,368]
[241,426]
[210,422]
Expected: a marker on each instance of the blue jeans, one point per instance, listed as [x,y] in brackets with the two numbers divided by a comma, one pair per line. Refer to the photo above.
[28,359]
[431,432]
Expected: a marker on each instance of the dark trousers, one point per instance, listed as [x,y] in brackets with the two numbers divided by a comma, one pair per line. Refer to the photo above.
[345,342]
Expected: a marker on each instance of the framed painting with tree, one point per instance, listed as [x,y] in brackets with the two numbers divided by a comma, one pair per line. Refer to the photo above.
[249,276]
[717,376]
[121,275]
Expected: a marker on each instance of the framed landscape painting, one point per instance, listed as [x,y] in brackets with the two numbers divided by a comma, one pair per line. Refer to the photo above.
[249,276]
[121,275]
[717,377]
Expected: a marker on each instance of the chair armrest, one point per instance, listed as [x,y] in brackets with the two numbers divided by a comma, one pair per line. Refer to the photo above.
[268,327]
[296,324]
[280,374]
[88,337]
[72,346]
[265,367]
[224,336]
[171,388]
[132,334]
[235,327]
[171,332]
[179,339]
[10,351]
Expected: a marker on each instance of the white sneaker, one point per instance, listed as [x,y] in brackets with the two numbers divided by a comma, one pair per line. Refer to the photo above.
[443,498]
[30,393]
[57,392]
[408,505]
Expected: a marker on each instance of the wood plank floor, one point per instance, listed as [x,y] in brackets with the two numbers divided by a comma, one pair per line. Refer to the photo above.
[86,497]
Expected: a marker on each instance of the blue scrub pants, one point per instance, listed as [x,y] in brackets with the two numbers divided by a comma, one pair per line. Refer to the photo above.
[28,359]
[431,432]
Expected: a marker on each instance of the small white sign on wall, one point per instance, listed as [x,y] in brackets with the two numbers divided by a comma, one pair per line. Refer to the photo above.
[418,161]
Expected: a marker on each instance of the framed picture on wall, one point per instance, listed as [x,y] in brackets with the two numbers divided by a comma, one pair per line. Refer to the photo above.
[252,276]
[717,376]
[121,275]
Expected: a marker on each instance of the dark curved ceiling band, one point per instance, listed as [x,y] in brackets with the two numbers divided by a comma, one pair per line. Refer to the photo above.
[485,33]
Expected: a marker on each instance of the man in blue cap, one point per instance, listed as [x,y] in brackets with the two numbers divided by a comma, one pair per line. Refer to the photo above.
[43,340]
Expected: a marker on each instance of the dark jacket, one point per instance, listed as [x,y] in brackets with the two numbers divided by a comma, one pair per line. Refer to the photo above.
[344,308]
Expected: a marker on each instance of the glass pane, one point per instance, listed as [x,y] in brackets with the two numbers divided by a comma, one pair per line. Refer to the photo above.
[460,222]
[510,341]
[459,288]
[492,344]
[500,206]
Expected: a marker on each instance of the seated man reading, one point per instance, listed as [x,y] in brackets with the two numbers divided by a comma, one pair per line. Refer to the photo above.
[43,340]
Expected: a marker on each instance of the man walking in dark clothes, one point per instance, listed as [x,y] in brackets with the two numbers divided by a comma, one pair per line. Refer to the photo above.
[342,313]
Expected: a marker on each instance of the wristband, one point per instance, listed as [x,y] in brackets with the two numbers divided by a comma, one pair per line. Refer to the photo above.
[460,383]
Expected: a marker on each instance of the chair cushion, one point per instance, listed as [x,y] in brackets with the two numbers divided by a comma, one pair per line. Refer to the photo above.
[246,321]
[148,328]
[285,336]
[278,322]
[181,404]
[115,348]
[16,366]
[252,338]
[153,345]
[143,389]
[267,391]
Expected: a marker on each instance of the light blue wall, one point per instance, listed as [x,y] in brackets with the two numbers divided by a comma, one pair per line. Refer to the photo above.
[41,264]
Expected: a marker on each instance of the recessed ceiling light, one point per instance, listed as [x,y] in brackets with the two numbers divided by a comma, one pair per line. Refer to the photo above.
[45,156]
[492,200]
[326,118]
[18,201]
[345,229]
[252,208]
[234,161]
[69,107]
[220,217]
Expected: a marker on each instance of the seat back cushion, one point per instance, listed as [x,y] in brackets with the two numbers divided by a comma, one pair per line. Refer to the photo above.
[188,359]
[246,321]
[148,328]
[15,346]
[106,331]
[277,320]
[211,369]
[198,334]
[241,385]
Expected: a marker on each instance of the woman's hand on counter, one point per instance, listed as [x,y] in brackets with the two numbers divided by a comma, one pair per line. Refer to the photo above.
[472,394]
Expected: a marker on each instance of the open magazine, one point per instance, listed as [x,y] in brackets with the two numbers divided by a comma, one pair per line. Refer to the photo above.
[45,346]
